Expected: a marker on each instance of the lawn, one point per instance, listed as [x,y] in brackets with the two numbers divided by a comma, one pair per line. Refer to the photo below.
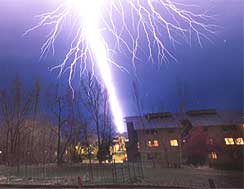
[194,177]
[186,176]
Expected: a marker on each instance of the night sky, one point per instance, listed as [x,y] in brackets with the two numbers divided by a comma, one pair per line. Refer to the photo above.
[212,76]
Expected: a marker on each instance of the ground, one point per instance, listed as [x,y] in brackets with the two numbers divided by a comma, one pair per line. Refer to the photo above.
[195,177]
[186,176]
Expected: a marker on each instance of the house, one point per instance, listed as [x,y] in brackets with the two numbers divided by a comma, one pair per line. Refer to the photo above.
[167,138]
[118,149]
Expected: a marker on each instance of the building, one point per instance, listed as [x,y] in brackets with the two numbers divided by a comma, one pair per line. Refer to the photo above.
[168,139]
[118,149]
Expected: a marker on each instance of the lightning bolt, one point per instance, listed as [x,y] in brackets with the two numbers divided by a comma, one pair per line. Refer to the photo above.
[128,22]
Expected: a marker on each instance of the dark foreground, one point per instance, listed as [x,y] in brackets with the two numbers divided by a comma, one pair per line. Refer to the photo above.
[105,177]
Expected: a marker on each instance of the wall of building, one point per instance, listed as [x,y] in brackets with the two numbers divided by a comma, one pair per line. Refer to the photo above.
[133,154]
[154,146]
[228,154]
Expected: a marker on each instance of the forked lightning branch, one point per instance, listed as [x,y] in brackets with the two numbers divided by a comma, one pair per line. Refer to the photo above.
[150,21]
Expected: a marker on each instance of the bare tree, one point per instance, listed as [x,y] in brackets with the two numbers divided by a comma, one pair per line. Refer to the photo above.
[107,130]
[15,108]
[57,104]
[95,99]
[81,129]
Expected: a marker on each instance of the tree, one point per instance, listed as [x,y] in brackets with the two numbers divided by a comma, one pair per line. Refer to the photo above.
[198,146]
[57,103]
[96,99]
[15,108]
[106,130]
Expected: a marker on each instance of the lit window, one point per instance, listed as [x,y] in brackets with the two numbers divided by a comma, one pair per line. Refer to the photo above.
[116,147]
[138,145]
[173,142]
[154,143]
[82,151]
[229,141]
[213,155]
[239,141]
[149,143]
[211,141]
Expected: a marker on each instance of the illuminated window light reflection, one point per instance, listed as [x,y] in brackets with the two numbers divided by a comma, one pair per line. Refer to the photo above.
[229,141]
[173,142]
[213,155]
[153,143]
[239,141]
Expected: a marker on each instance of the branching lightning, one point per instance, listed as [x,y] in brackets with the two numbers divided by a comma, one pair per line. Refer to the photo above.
[128,23]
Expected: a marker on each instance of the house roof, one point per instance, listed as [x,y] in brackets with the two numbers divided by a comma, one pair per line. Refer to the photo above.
[196,118]
[156,123]
[218,118]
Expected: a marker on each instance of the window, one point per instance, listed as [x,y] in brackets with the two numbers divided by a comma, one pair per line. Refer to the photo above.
[173,142]
[149,143]
[211,141]
[229,128]
[151,131]
[229,141]
[130,124]
[154,132]
[213,155]
[147,132]
[156,143]
[149,156]
[153,156]
[239,141]
[138,145]
[153,144]
[171,130]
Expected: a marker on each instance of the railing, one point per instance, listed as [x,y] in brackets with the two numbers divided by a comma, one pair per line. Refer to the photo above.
[89,173]
[134,173]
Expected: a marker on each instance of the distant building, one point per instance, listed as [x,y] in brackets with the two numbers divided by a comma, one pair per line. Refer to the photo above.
[118,149]
[163,138]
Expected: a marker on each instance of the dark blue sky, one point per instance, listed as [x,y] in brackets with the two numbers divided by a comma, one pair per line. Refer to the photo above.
[212,75]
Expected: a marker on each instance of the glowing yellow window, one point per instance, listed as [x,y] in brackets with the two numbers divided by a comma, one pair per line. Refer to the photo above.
[149,143]
[173,142]
[213,155]
[229,141]
[155,143]
[138,145]
[239,141]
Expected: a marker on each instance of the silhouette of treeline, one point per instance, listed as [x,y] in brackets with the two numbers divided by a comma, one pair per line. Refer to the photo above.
[45,125]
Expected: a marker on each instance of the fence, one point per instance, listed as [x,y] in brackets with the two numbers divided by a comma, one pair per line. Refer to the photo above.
[124,173]
[68,174]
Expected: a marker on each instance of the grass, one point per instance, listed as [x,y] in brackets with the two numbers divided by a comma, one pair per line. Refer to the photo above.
[197,177]
[186,176]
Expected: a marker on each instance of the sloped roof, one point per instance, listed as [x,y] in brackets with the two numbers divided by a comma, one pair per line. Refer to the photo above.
[144,123]
[196,117]
[219,118]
